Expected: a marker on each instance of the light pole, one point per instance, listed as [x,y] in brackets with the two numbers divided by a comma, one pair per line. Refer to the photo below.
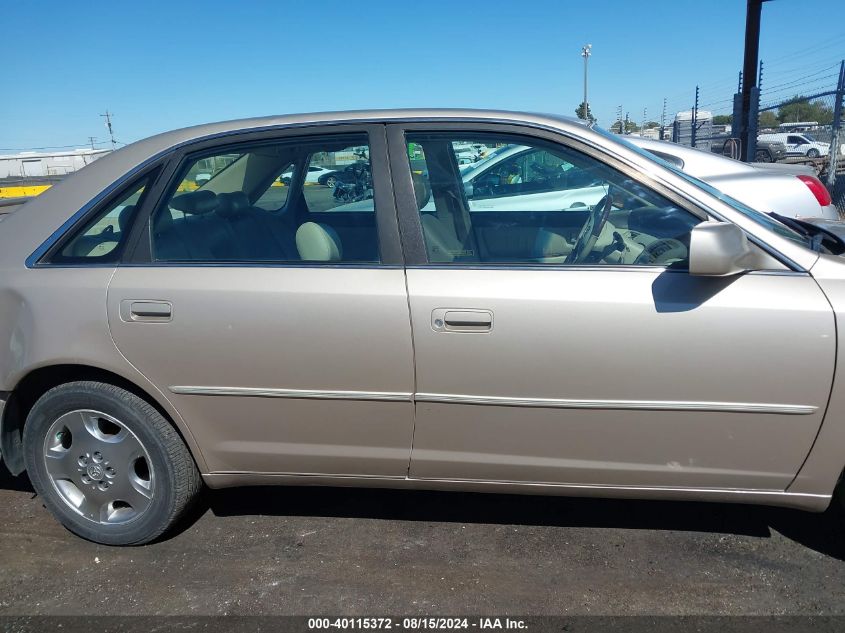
[585,53]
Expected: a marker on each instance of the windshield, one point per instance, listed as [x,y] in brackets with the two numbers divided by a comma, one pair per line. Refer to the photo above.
[760,218]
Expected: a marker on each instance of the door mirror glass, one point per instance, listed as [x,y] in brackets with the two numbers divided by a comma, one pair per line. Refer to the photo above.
[718,249]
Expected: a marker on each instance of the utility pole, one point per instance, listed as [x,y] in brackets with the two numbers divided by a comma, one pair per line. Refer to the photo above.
[585,53]
[107,116]
[91,140]
[619,118]
[749,74]
[663,120]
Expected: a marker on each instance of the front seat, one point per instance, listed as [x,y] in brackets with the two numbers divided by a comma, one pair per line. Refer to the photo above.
[318,243]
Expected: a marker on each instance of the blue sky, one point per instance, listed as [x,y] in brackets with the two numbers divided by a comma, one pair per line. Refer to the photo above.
[161,65]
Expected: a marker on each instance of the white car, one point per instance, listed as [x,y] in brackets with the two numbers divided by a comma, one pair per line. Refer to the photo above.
[790,190]
[312,175]
[520,178]
[800,144]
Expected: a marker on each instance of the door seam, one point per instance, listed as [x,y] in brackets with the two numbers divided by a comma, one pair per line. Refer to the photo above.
[407,303]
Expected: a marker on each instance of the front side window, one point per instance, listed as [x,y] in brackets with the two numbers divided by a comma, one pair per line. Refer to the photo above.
[103,238]
[265,203]
[528,201]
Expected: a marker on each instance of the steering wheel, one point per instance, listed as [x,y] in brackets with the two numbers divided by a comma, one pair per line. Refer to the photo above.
[591,230]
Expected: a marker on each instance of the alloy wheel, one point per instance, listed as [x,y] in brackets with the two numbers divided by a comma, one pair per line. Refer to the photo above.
[98,467]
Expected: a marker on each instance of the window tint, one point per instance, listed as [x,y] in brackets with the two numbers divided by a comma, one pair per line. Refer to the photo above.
[527,201]
[264,203]
[340,180]
[103,238]
[275,197]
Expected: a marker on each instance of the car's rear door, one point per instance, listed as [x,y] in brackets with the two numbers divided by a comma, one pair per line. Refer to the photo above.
[280,335]
[618,368]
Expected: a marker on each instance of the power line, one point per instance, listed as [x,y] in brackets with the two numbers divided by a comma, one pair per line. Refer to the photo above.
[810,50]
[51,147]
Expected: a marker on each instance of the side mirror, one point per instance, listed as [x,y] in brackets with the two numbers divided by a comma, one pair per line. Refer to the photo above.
[468,190]
[718,249]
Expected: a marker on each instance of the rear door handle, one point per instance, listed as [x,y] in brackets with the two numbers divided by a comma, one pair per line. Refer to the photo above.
[461,320]
[146,311]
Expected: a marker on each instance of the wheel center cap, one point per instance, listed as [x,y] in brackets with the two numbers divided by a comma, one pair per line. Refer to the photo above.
[95,471]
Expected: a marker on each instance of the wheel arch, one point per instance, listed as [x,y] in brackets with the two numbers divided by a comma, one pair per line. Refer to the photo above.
[40,380]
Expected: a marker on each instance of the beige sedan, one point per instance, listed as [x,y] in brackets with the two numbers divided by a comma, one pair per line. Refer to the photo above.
[583,320]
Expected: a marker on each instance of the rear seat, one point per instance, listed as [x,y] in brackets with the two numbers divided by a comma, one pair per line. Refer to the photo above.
[222,227]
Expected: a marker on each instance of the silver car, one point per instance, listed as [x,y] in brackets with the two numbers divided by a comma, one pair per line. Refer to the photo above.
[157,334]
[790,190]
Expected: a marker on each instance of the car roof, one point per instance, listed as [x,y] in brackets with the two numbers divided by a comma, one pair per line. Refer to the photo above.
[172,138]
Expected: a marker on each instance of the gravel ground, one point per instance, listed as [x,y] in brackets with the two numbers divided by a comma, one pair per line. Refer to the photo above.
[370,552]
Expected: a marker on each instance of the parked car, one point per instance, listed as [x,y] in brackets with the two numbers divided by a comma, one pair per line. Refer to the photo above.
[767,151]
[348,175]
[312,176]
[789,190]
[528,177]
[665,342]
[799,144]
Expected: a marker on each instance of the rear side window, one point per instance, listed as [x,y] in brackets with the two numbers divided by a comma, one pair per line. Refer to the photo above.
[103,238]
[307,199]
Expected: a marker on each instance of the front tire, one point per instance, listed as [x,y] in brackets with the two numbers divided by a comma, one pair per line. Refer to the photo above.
[107,464]
[813,153]
[331,182]
[762,156]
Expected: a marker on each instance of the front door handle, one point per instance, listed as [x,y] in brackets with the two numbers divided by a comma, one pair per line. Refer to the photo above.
[146,311]
[461,320]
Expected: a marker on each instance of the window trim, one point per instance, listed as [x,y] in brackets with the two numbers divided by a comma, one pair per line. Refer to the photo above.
[389,245]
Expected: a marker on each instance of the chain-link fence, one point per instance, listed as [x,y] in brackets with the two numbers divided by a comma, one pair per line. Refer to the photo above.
[796,117]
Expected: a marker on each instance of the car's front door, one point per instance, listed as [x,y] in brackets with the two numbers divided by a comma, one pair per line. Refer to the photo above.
[278,329]
[550,353]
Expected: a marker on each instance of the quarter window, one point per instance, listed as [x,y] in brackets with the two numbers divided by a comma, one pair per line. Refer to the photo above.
[267,203]
[527,201]
[103,238]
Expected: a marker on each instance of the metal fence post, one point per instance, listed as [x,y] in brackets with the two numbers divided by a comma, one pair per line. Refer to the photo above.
[694,125]
[736,121]
[753,118]
[836,132]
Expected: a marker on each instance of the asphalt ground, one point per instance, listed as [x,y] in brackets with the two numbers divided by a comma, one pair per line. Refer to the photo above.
[260,551]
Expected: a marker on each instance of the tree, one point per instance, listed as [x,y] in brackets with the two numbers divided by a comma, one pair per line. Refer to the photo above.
[800,108]
[649,125]
[723,119]
[579,112]
[629,127]
[767,120]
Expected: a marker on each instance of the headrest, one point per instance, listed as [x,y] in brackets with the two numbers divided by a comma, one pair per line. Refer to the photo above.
[195,202]
[421,190]
[124,216]
[162,219]
[232,203]
[318,243]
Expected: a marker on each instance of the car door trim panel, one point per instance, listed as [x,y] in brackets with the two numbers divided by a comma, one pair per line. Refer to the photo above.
[259,392]
[642,405]
[549,403]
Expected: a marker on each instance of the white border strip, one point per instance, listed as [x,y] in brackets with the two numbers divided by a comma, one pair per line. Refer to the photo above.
[500,401]
[258,392]
[643,405]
